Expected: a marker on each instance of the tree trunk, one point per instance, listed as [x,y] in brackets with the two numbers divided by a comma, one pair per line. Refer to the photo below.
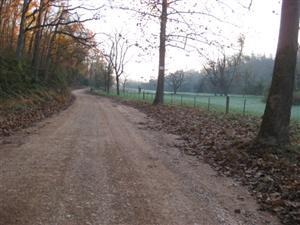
[29,51]
[297,84]
[105,82]
[37,42]
[118,85]
[21,37]
[159,96]
[47,36]
[48,59]
[12,35]
[108,83]
[1,16]
[275,125]
[48,55]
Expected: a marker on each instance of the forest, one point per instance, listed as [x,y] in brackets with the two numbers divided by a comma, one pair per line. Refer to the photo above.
[43,44]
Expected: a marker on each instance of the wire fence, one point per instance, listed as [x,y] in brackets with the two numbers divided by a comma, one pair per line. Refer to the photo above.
[244,105]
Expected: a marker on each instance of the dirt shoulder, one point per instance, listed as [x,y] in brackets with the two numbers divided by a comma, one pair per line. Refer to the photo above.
[98,163]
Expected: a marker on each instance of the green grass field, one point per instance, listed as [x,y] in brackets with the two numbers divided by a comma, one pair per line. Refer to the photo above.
[253,104]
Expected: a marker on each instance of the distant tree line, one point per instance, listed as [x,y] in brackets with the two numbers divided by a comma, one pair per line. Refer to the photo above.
[254,78]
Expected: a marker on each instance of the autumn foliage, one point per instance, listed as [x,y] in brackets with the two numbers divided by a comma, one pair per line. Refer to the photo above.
[42,43]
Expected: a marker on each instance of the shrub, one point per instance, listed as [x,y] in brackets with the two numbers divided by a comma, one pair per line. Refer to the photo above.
[17,79]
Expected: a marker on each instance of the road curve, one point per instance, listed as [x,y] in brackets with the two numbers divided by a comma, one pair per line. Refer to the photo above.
[96,163]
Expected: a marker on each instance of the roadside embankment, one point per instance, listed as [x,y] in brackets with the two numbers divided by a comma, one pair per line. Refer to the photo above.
[24,110]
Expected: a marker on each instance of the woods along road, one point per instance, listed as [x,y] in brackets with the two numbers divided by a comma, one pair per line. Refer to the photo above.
[96,163]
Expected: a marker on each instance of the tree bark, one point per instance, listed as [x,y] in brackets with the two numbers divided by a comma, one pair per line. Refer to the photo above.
[48,55]
[30,46]
[274,129]
[107,80]
[37,42]
[159,96]
[21,36]
[118,85]
[108,84]
[12,35]
[1,16]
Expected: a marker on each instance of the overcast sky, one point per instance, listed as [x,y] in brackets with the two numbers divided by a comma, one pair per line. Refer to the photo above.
[260,25]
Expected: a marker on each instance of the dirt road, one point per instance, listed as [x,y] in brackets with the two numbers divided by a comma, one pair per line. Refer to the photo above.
[95,163]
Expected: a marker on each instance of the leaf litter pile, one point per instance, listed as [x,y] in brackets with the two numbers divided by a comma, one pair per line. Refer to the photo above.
[21,112]
[226,143]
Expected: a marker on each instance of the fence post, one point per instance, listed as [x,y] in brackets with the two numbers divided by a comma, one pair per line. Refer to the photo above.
[227,104]
[244,109]
[194,101]
[181,100]
[208,105]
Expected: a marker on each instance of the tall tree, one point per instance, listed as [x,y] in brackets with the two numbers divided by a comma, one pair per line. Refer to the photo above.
[21,36]
[274,129]
[117,55]
[37,39]
[159,95]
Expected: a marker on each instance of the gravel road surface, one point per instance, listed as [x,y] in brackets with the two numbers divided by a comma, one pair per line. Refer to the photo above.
[96,163]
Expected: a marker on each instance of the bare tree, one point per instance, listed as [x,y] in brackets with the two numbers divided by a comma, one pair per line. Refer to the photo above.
[214,72]
[223,71]
[274,129]
[117,55]
[175,80]
[124,82]
[186,29]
